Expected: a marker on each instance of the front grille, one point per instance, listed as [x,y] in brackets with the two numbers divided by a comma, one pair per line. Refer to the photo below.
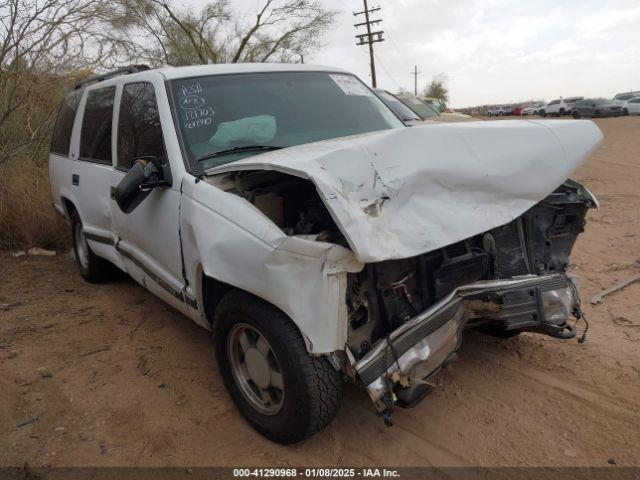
[510,257]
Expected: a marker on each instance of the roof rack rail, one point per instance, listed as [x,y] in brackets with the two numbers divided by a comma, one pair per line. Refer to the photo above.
[105,76]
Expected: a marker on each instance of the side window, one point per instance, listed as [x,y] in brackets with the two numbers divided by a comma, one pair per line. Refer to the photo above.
[64,123]
[95,136]
[139,128]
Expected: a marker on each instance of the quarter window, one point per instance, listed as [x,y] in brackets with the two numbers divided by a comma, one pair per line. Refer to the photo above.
[95,137]
[64,123]
[139,128]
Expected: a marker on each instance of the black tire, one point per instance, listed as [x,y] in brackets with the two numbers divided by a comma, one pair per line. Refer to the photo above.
[312,388]
[625,111]
[596,114]
[542,113]
[575,114]
[561,112]
[93,269]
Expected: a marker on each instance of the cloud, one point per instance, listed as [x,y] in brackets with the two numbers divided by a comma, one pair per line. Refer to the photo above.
[494,51]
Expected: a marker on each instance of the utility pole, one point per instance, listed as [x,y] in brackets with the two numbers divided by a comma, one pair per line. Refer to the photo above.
[368,38]
[415,74]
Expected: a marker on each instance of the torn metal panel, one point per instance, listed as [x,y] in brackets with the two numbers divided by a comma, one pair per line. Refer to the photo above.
[399,193]
[422,345]
[235,243]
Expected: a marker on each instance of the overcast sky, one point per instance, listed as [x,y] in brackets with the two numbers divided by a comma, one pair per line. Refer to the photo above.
[494,51]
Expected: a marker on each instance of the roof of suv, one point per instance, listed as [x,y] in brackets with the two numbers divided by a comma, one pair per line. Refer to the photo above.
[171,73]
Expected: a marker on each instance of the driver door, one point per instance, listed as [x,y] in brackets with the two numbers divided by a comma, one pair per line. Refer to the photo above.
[148,238]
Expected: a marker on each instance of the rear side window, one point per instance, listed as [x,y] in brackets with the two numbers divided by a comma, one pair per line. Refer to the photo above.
[95,136]
[139,129]
[64,124]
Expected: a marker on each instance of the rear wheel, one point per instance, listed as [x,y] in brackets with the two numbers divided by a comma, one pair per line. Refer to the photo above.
[284,393]
[92,268]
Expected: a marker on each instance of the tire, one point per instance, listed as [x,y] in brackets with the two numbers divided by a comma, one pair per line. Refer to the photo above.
[575,114]
[542,113]
[499,114]
[311,390]
[93,269]
[596,114]
[561,112]
[625,111]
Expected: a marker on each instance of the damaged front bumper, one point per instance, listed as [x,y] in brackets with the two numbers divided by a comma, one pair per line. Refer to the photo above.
[395,368]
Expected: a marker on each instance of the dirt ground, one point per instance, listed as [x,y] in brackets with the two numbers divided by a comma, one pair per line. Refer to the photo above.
[111,376]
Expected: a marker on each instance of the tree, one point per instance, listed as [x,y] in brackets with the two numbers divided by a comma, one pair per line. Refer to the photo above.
[159,32]
[437,88]
[42,41]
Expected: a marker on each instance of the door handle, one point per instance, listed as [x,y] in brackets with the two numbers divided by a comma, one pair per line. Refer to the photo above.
[75,179]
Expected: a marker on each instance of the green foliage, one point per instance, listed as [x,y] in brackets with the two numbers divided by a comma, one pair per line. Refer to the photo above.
[437,88]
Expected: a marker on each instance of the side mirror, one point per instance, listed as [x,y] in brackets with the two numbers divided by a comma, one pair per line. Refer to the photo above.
[145,174]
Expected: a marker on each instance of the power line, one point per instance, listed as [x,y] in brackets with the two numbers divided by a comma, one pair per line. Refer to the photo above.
[388,74]
[370,37]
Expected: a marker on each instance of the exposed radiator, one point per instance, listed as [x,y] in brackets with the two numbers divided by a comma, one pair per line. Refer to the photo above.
[510,255]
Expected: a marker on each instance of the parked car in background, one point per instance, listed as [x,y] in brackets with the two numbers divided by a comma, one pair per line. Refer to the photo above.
[621,98]
[517,111]
[532,108]
[499,111]
[632,106]
[596,107]
[408,116]
[427,112]
[559,107]
[435,103]
[624,104]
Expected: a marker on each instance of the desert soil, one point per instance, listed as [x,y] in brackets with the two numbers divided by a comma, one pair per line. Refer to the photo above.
[110,376]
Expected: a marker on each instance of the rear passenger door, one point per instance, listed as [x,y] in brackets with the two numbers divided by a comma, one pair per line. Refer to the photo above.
[148,237]
[91,172]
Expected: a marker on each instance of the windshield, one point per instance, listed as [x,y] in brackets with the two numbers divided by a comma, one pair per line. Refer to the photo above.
[435,104]
[400,109]
[625,96]
[229,113]
[418,106]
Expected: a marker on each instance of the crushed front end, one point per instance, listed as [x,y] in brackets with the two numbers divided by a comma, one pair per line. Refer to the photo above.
[406,317]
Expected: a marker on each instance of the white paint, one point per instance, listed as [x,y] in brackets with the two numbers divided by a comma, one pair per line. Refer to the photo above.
[394,194]
[400,193]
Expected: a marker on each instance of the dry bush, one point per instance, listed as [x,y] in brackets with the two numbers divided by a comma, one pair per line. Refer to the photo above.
[27,218]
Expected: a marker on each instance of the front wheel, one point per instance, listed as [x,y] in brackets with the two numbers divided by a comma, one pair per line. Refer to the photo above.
[284,393]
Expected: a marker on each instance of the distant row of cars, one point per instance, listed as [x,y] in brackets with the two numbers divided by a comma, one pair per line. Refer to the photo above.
[627,103]
[413,110]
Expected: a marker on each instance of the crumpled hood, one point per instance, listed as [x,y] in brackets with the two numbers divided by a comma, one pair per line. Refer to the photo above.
[399,193]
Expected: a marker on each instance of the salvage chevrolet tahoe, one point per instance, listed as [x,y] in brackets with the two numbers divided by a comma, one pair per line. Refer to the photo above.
[289,211]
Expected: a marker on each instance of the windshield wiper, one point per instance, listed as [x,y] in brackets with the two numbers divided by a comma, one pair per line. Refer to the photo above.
[245,148]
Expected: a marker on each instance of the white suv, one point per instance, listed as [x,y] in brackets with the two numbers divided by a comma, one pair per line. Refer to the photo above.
[559,107]
[287,209]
